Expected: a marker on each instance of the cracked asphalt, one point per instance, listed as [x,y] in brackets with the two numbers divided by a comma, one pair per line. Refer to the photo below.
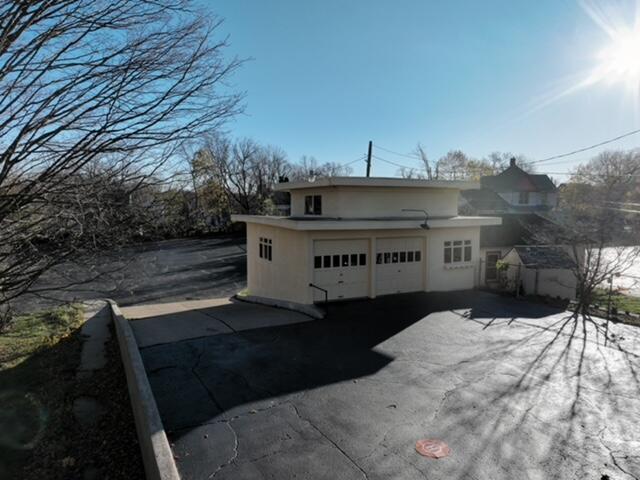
[517,390]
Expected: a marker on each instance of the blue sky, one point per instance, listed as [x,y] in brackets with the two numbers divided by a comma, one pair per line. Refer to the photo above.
[327,76]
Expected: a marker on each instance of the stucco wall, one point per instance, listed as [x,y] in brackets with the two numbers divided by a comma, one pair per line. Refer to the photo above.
[349,202]
[286,276]
[442,277]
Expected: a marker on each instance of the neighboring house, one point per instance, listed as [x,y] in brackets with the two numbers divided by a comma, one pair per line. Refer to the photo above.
[521,200]
[353,237]
[541,270]
[522,191]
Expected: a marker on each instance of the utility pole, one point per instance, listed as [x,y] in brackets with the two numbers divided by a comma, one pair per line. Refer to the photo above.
[369,159]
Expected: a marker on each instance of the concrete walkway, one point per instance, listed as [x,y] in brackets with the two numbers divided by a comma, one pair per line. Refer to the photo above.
[95,333]
[172,322]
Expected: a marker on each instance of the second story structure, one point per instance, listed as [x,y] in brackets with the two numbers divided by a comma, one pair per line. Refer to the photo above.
[351,237]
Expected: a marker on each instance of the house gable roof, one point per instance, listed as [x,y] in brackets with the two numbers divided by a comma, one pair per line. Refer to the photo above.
[515,179]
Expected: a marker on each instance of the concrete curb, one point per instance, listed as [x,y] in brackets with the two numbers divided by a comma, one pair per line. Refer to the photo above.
[157,456]
[309,310]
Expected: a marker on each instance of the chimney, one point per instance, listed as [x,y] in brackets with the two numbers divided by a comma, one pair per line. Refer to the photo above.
[512,162]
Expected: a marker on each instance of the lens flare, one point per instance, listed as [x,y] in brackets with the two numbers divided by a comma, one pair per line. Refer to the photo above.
[619,60]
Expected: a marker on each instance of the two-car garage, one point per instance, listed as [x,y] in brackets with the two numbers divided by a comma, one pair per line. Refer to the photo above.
[343,267]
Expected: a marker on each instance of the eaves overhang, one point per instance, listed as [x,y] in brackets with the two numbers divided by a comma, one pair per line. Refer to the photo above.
[367,224]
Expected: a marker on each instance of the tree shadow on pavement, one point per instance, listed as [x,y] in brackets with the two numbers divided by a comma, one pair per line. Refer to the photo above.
[560,402]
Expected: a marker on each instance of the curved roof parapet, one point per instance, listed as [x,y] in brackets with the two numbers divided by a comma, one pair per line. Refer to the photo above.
[382,182]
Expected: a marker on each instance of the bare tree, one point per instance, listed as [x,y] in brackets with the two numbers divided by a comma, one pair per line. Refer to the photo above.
[87,87]
[245,170]
[309,168]
[593,221]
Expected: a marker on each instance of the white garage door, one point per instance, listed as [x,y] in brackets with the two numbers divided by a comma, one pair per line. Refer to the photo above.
[341,267]
[399,265]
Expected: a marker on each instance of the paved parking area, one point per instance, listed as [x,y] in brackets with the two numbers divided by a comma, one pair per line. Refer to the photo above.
[517,390]
[166,271]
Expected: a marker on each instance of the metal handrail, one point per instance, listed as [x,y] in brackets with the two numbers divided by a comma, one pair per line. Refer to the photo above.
[326,292]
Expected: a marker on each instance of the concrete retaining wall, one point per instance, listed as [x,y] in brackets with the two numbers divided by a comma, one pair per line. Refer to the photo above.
[156,452]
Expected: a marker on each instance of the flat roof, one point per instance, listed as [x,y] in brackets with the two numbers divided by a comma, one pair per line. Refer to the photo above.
[328,223]
[382,182]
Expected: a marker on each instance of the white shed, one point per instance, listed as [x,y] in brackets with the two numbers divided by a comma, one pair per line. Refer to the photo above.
[545,270]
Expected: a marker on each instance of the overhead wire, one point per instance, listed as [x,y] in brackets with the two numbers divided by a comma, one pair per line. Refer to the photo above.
[590,147]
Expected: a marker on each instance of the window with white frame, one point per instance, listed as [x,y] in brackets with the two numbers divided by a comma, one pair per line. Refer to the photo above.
[457,251]
[313,205]
[266,246]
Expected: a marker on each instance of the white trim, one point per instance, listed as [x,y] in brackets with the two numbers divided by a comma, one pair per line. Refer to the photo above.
[376,182]
[346,224]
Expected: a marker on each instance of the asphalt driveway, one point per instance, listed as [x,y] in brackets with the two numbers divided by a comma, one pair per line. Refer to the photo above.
[517,390]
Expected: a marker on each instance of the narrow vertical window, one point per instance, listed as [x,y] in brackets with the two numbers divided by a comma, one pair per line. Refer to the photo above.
[265,248]
[467,250]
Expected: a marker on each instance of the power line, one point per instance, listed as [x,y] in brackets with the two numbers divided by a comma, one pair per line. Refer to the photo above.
[591,147]
[407,155]
[394,163]
[359,159]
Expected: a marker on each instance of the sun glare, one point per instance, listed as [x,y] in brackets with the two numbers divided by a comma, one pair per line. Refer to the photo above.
[619,60]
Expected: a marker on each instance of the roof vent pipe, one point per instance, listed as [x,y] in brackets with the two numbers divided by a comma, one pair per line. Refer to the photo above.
[512,162]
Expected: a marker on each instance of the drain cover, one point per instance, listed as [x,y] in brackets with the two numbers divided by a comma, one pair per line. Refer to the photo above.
[433,448]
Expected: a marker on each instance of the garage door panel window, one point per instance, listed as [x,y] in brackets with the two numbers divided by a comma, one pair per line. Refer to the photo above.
[340,261]
[265,248]
[398,257]
[457,251]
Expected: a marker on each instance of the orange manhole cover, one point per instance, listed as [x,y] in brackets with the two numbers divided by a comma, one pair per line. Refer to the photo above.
[433,448]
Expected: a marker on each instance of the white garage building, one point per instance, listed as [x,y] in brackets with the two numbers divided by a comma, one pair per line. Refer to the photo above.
[355,237]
